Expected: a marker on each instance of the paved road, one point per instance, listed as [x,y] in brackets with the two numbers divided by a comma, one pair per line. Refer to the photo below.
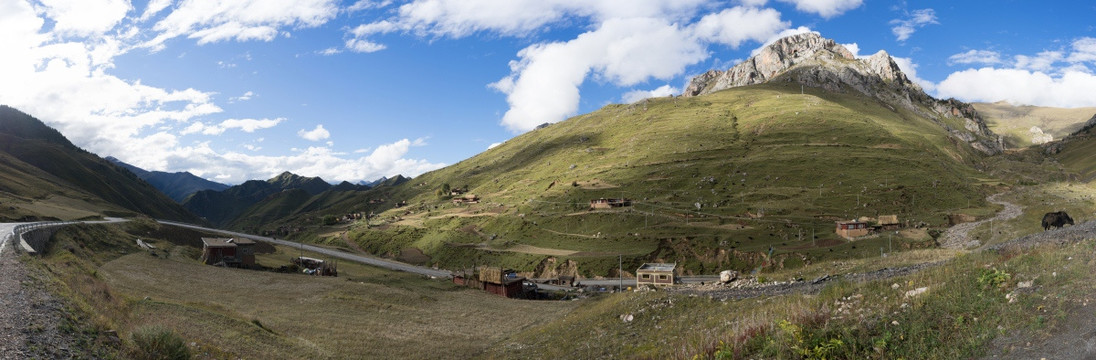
[364,259]
[5,235]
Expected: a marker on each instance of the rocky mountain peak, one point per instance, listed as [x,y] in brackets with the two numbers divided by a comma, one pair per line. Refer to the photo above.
[817,62]
[800,51]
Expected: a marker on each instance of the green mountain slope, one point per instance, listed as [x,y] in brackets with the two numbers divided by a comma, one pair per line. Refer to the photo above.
[1077,152]
[46,176]
[715,180]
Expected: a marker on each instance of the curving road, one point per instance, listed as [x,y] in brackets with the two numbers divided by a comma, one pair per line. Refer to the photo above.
[364,259]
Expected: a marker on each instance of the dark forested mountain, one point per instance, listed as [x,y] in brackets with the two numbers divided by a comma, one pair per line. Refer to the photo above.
[177,185]
[45,176]
[221,207]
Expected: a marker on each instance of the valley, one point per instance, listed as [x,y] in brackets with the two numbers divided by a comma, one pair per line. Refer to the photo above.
[862,218]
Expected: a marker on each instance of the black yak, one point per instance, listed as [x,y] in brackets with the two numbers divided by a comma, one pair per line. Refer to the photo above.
[1056,220]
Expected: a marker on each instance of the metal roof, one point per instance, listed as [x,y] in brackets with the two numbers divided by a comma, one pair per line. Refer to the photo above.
[667,267]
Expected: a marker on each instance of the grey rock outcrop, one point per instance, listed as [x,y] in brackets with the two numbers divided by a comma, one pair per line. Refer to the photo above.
[814,61]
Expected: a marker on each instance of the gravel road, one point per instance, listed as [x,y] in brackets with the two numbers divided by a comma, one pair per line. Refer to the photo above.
[12,298]
[958,236]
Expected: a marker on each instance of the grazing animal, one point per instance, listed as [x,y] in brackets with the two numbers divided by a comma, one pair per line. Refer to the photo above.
[1056,220]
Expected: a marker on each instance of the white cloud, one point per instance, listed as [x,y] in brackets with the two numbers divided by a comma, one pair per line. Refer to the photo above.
[154,7]
[245,125]
[460,18]
[330,51]
[1019,86]
[243,20]
[904,28]
[543,85]
[910,69]
[1084,50]
[825,8]
[1044,61]
[85,17]
[364,46]
[493,145]
[245,97]
[985,57]
[236,167]
[737,25]
[753,3]
[368,4]
[317,134]
[637,95]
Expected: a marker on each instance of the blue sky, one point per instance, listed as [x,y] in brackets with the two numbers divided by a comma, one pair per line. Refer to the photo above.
[358,89]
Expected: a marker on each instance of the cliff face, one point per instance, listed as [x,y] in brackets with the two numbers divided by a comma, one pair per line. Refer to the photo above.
[814,61]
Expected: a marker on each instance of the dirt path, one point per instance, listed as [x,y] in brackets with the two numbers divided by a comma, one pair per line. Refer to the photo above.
[958,236]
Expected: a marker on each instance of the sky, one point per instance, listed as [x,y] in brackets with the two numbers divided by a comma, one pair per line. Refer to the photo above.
[359,89]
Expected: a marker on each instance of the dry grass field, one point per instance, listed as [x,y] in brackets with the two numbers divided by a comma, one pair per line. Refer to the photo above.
[235,313]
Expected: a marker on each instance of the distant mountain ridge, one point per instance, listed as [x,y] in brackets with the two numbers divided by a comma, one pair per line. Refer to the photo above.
[221,207]
[178,185]
[56,179]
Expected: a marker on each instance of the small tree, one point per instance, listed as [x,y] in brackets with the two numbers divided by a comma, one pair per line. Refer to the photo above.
[330,220]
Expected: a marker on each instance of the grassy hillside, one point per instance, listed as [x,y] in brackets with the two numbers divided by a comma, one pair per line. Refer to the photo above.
[716,181]
[1015,122]
[45,176]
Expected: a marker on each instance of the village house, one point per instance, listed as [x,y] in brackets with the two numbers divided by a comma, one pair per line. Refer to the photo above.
[228,252]
[466,199]
[852,229]
[655,274]
[604,203]
[494,280]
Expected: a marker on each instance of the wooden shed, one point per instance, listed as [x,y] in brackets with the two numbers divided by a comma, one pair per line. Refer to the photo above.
[228,251]
[656,274]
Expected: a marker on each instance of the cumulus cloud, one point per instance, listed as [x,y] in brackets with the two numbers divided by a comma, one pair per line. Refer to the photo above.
[985,57]
[1060,77]
[317,134]
[637,95]
[85,17]
[1019,86]
[235,167]
[493,145]
[904,28]
[543,85]
[825,8]
[57,68]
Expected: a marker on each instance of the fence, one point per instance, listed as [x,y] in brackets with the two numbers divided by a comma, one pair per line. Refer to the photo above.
[34,237]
